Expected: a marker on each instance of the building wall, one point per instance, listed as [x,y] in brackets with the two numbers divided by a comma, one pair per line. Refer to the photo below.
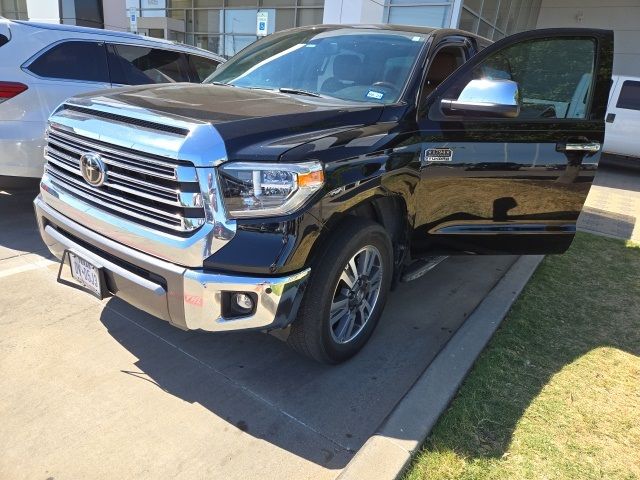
[353,11]
[43,11]
[495,19]
[622,16]
[14,9]
[115,15]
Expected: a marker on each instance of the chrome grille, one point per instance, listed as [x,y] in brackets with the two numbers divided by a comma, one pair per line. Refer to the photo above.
[158,191]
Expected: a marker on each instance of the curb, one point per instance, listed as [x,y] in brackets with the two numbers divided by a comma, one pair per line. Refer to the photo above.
[386,454]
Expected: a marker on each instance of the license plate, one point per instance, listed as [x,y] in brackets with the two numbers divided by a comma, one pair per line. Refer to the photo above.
[86,273]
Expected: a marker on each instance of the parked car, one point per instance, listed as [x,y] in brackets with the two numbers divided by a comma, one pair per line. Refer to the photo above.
[41,65]
[622,146]
[318,168]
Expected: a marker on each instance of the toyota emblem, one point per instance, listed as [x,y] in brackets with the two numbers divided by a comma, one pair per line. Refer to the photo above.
[93,169]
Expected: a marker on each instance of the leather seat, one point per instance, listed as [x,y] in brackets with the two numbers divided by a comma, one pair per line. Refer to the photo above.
[442,66]
[346,69]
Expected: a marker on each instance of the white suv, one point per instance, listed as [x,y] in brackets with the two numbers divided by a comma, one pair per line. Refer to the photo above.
[41,65]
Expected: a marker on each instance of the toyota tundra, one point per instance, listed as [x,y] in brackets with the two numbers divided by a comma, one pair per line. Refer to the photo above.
[318,168]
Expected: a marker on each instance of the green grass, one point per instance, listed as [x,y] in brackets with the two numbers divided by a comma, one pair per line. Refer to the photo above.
[556,394]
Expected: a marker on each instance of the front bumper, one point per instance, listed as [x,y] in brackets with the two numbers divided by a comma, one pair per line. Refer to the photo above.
[190,299]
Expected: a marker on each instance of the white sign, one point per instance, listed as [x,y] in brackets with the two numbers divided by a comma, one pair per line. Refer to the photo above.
[133,19]
[262,24]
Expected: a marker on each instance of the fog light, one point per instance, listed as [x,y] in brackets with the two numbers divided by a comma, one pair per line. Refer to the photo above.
[243,301]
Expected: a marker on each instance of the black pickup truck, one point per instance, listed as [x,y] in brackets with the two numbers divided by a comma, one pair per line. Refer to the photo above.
[319,167]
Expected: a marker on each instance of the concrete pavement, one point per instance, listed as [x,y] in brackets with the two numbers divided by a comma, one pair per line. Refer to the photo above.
[102,390]
[613,205]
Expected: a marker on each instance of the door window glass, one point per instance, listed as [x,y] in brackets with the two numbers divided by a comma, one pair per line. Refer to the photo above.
[554,76]
[629,96]
[136,65]
[85,61]
[203,67]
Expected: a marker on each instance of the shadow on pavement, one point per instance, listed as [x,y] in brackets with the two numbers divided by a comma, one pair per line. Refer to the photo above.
[255,382]
[18,227]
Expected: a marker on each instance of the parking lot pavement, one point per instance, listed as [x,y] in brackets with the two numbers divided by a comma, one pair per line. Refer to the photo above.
[613,205]
[102,390]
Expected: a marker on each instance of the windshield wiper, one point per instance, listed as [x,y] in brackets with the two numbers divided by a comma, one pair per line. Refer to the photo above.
[221,83]
[297,91]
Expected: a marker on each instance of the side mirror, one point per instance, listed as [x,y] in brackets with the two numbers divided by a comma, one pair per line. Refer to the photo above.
[492,98]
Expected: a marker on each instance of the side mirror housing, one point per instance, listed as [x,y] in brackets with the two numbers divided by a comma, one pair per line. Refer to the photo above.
[490,98]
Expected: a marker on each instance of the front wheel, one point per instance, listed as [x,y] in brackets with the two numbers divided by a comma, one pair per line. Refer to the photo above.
[346,293]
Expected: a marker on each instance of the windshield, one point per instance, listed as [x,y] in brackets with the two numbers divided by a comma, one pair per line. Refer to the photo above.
[362,65]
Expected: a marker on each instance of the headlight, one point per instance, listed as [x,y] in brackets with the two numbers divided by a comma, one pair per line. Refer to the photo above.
[268,189]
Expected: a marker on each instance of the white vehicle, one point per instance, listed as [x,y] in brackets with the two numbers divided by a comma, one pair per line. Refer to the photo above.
[623,119]
[41,65]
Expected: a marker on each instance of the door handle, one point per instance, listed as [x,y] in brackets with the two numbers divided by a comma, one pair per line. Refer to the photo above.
[588,147]
[611,117]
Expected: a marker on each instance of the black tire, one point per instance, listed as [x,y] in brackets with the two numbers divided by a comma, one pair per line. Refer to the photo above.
[311,333]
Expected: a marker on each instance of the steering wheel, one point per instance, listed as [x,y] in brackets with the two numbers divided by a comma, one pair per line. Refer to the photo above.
[387,85]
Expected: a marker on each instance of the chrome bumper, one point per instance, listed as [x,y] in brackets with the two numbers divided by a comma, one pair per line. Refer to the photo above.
[190,299]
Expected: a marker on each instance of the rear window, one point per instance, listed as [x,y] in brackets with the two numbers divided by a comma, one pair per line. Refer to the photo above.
[629,96]
[73,60]
[135,65]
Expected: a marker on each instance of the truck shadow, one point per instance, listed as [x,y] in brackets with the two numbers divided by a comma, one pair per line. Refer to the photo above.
[321,413]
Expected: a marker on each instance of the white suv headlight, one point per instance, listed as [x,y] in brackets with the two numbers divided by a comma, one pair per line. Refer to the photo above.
[268,189]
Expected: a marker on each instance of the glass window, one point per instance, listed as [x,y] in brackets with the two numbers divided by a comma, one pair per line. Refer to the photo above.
[285,18]
[523,16]
[489,10]
[176,36]
[234,43]
[240,21]
[513,16]
[156,33]
[309,16]
[311,3]
[213,43]
[485,30]
[554,76]
[356,65]
[468,21]
[241,3]
[203,67]
[207,21]
[86,61]
[629,95]
[475,5]
[180,3]
[428,16]
[177,14]
[278,3]
[135,65]
[207,3]
[503,14]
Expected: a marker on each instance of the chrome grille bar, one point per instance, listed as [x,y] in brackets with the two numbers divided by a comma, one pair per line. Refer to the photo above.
[161,192]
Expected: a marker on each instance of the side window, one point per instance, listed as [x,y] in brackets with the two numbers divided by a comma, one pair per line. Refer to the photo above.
[554,76]
[73,60]
[444,63]
[203,67]
[629,95]
[136,65]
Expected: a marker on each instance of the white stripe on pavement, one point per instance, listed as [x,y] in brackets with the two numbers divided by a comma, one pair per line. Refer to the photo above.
[25,268]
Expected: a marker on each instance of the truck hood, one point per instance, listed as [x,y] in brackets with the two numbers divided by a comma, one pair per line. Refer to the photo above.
[254,124]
